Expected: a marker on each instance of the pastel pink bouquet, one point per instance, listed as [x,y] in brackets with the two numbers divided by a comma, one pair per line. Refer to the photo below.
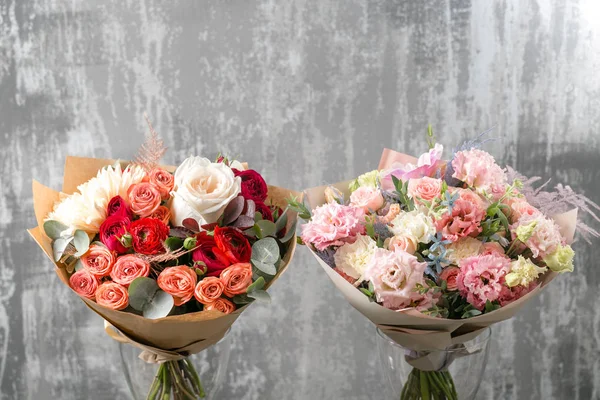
[420,243]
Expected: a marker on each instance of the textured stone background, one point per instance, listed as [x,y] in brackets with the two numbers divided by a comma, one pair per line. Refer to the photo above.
[308,92]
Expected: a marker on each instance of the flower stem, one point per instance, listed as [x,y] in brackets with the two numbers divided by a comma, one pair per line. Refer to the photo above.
[424,385]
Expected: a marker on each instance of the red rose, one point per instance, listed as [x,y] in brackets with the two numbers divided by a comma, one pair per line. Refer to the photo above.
[253,185]
[117,205]
[111,231]
[264,210]
[147,235]
[208,253]
[233,244]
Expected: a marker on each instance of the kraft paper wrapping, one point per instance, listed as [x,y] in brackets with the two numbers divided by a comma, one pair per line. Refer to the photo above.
[408,327]
[180,334]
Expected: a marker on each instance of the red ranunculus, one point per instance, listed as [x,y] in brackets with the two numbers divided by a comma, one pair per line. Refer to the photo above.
[117,205]
[208,253]
[233,244]
[111,231]
[253,185]
[147,235]
[264,210]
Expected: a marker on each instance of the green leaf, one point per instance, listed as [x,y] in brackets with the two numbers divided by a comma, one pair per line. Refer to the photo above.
[260,295]
[258,216]
[371,287]
[299,241]
[241,299]
[281,221]
[81,242]
[471,313]
[265,251]
[54,228]
[290,233]
[59,246]
[256,285]
[174,243]
[147,297]
[78,265]
[267,228]
[300,208]
[366,292]
[266,268]
[160,305]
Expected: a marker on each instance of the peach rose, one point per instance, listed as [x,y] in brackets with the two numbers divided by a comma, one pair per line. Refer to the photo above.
[129,267]
[368,198]
[236,278]
[209,289]
[144,198]
[99,260]
[179,282]
[406,243]
[490,248]
[84,283]
[449,275]
[162,213]
[519,207]
[162,181]
[425,188]
[112,295]
[221,304]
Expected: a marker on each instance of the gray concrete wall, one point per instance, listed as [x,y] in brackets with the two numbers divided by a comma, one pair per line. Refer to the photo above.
[308,92]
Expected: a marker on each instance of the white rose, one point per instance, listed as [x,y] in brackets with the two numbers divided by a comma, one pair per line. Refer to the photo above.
[413,224]
[202,190]
[352,258]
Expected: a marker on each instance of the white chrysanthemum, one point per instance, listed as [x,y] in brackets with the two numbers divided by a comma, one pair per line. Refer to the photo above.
[413,224]
[463,248]
[86,208]
[352,258]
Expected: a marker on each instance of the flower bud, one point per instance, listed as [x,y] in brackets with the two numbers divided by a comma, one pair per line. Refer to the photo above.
[189,243]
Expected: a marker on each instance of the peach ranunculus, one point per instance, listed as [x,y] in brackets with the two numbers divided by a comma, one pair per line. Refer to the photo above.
[368,198]
[449,275]
[84,283]
[144,198]
[98,260]
[221,304]
[163,181]
[179,282]
[209,289]
[236,279]
[112,295]
[402,242]
[162,213]
[129,267]
[425,188]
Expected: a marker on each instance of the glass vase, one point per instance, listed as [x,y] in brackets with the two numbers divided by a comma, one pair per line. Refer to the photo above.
[209,367]
[453,373]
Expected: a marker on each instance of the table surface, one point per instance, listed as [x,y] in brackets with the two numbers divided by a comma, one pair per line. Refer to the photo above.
[308,92]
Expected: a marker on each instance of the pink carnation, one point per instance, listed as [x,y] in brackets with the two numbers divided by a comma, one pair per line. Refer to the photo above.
[546,235]
[427,165]
[467,213]
[481,278]
[333,224]
[395,275]
[478,169]
[508,295]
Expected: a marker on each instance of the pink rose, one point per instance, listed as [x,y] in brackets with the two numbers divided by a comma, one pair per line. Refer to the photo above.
[395,275]
[427,165]
[449,275]
[425,188]
[179,282]
[333,224]
[84,283]
[492,248]
[481,278]
[129,267]
[478,169]
[112,295]
[404,243]
[367,198]
[163,181]
[98,260]
[144,198]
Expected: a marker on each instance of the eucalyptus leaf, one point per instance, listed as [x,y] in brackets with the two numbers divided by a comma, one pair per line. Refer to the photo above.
[141,291]
[266,268]
[250,208]
[289,233]
[260,295]
[54,228]
[244,222]
[281,221]
[191,224]
[241,299]
[59,246]
[256,285]
[81,241]
[265,251]
[78,265]
[258,216]
[233,210]
[159,306]
[267,228]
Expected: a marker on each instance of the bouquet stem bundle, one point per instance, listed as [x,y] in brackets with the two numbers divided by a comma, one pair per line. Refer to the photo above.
[176,380]
[429,385]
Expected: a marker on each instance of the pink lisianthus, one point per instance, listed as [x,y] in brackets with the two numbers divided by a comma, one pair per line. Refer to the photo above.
[395,275]
[333,224]
[481,278]
[368,198]
[425,188]
[464,221]
[508,295]
[478,169]
[427,165]
[545,237]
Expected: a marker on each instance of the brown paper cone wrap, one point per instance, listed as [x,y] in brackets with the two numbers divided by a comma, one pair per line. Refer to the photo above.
[410,328]
[179,334]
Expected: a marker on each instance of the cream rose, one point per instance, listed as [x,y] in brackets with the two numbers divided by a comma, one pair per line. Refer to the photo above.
[413,224]
[202,190]
[406,243]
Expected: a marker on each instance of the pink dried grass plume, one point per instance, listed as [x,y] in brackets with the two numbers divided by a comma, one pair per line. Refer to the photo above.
[151,151]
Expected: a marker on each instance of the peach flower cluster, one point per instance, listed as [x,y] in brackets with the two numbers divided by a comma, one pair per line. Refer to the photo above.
[145,197]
